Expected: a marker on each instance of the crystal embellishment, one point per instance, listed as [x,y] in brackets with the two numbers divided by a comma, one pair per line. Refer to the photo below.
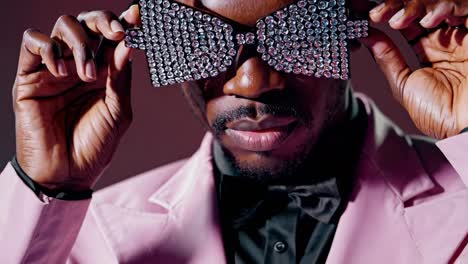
[182,44]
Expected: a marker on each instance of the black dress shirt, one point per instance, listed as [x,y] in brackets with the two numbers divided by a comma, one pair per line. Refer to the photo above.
[267,224]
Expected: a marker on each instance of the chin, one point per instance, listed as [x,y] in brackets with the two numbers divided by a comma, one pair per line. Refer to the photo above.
[271,166]
[268,169]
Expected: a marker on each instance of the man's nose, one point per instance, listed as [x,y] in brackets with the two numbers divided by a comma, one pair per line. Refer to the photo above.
[253,77]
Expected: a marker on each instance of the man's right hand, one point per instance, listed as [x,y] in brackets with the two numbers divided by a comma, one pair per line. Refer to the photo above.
[71,106]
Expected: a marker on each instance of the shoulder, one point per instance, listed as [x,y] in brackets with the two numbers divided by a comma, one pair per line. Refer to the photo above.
[415,167]
[437,164]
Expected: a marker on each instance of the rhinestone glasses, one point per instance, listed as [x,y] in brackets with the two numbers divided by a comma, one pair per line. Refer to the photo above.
[308,37]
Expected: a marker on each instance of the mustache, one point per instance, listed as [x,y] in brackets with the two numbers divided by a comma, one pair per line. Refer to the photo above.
[221,120]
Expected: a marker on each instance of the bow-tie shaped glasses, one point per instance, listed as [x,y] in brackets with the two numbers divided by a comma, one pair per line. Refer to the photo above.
[182,43]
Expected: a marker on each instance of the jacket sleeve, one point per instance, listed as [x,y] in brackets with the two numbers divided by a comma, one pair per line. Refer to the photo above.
[34,230]
[455,149]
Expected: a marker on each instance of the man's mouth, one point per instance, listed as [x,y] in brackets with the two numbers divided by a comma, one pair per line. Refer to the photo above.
[265,134]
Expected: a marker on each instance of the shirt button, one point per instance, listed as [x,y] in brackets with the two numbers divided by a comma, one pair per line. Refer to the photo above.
[280,247]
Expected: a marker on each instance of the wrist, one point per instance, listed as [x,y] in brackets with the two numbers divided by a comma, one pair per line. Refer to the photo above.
[62,192]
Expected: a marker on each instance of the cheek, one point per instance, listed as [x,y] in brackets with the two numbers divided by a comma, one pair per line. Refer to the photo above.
[314,94]
[196,99]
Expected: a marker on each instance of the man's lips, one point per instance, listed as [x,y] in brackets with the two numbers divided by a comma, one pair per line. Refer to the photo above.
[264,123]
[265,134]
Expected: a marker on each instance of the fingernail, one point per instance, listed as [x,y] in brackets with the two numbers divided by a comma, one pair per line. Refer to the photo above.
[91,70]
[124,13]
[397,16]
[62,68]
[426,18]
[377,8]
[116,26]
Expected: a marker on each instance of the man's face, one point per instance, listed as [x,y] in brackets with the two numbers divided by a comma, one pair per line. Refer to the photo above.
[266,121]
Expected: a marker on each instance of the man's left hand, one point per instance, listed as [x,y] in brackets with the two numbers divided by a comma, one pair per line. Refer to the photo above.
[435,95]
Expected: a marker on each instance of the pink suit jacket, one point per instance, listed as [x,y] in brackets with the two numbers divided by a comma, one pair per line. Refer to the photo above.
[410,205]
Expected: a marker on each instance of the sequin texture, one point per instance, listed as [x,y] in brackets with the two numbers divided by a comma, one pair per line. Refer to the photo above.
[182,44]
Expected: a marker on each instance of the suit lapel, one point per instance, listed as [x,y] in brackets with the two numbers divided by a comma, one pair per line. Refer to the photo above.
[131,233]
[178,223]
[373,227]
[191,198]
[440,225]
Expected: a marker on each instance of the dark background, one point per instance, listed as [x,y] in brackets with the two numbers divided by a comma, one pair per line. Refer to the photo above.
[164,129]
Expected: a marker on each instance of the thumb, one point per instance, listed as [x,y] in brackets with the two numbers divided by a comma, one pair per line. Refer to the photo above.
[390,60]
[119,82]
[121,57]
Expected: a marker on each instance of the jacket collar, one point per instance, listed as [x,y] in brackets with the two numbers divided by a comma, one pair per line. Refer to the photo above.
[178,186]
[156,223]
[405,175]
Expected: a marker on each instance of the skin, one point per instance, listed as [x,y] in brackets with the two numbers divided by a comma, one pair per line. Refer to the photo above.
[72,110]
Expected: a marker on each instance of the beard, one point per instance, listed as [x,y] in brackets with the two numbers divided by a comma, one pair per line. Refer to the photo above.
[265,169]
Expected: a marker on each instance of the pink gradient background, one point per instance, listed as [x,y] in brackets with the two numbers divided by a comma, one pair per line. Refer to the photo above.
[164,128]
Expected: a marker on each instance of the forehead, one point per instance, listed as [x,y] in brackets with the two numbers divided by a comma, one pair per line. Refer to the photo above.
[246,12]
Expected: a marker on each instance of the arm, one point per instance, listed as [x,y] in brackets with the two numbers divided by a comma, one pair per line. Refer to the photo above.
[65,142]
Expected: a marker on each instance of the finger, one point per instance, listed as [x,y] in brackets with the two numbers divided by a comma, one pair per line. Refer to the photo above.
[440,44]
[120,66]
[69,30]
[390,60]
[384,11]
[103,23]
[38,48]
[455,21]
[413,32]
[118,89]
[404,17]
[437,15]
[131,16]
[461,8]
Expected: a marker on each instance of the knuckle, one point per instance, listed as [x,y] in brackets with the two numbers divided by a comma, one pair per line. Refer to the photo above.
[64,19]
[82,50]
[46,48]
[81,47]
[105,14]
[27,34]
[95,15]
[83,15]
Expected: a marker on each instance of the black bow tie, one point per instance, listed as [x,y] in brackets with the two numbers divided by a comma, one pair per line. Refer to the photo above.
[246,202]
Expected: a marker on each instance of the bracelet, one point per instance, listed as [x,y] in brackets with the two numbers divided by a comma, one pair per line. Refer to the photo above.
[41,190]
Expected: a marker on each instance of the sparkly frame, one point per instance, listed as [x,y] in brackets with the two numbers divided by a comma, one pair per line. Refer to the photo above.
[183,43]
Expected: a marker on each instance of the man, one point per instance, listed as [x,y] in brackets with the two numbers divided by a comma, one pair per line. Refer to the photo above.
[295,169]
